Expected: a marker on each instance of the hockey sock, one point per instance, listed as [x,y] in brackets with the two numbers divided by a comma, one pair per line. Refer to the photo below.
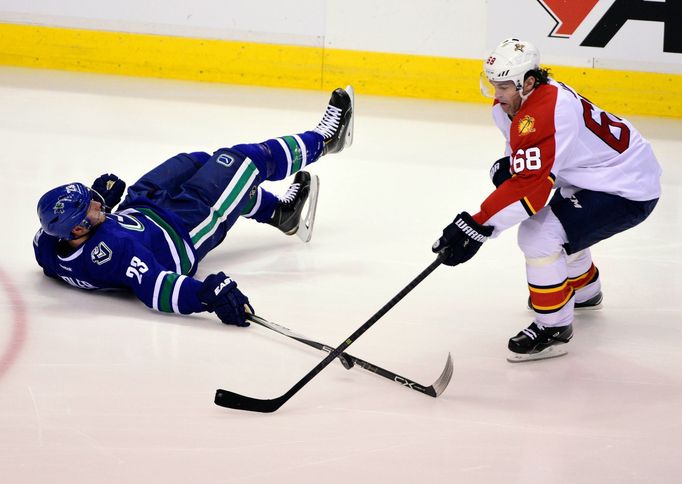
[550,293]
[281,157]
[261,205]
[583,275]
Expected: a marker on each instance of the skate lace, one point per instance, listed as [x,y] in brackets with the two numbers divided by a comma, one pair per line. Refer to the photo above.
[291,193]
[330,122]
[530,331]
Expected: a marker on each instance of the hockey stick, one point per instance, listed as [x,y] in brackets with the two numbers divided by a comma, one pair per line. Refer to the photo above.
[229,399]
[348,361]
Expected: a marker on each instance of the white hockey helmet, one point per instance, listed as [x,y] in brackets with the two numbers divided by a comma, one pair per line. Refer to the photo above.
[509,61]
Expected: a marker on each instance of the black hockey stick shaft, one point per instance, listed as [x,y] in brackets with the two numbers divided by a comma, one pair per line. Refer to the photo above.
[229,399]
[349,361]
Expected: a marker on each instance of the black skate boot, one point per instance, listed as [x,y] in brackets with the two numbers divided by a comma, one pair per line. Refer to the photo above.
[539,342]
[592,303]
[337,123]
[287,216]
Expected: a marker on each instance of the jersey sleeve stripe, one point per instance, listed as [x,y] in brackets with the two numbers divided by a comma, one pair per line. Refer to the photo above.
[176,294]
[183,257]
[166,293]
[527,206]
[72,256]
[157,288]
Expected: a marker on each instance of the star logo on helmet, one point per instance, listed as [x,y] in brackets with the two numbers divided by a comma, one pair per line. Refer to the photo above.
[519,47]
[58,207]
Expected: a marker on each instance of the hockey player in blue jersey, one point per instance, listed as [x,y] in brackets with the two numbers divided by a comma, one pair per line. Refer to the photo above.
[175,214]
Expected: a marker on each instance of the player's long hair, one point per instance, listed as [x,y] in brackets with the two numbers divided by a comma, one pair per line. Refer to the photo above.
[541,76]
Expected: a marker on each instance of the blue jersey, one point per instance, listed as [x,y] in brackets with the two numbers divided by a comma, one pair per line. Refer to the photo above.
[141,248]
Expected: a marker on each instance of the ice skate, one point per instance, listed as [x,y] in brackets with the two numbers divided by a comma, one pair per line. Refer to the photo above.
[336,125]
[592,304]
[538,342]
[288,214]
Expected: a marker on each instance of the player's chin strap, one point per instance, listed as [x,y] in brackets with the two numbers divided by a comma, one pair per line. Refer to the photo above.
[525,96]
[87,225]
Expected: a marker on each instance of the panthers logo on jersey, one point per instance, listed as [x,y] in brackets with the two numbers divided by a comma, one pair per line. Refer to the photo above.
[527,125]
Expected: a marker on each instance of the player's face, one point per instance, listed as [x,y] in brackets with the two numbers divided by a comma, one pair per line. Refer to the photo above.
[95,215]
[508,96]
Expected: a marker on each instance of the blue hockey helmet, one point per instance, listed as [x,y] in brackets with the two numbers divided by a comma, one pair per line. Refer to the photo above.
[63,208]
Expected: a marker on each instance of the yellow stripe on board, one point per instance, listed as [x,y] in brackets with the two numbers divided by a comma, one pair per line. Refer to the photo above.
[160,56]
[622,92]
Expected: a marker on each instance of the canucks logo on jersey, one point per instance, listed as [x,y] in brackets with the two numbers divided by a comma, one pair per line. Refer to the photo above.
[127,221]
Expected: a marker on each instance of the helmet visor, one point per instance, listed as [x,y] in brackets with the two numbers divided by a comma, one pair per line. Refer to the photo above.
[487,89]
[96,196]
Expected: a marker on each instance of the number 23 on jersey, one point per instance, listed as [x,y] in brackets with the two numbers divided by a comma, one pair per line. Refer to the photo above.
[136,269]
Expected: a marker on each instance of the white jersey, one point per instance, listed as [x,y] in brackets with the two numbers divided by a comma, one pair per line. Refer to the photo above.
[558,139]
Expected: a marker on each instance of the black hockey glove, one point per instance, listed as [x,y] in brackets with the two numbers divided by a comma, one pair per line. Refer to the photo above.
[500,172]
[110,188]
[461,239]
[220,295]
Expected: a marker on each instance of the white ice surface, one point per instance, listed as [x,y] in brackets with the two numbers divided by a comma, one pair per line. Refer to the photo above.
[96,388]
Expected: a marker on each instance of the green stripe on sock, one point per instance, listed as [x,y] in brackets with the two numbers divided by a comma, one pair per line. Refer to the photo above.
[178,242]
[253,198]
[217,214]
[166,293]
[296,155]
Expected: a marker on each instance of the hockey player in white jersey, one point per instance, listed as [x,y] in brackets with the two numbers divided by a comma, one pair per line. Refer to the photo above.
[606,180]
[179,211]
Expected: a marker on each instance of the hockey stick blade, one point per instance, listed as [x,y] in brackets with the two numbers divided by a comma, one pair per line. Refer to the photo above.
[229,399]
[225,398]
[348,361]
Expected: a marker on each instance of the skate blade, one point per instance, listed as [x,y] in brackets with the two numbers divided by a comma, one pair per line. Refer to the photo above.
[590,308]
[350,131]
[551,352]
[305,227]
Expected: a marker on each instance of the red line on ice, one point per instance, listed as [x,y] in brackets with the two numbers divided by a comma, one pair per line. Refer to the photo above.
[18,336]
